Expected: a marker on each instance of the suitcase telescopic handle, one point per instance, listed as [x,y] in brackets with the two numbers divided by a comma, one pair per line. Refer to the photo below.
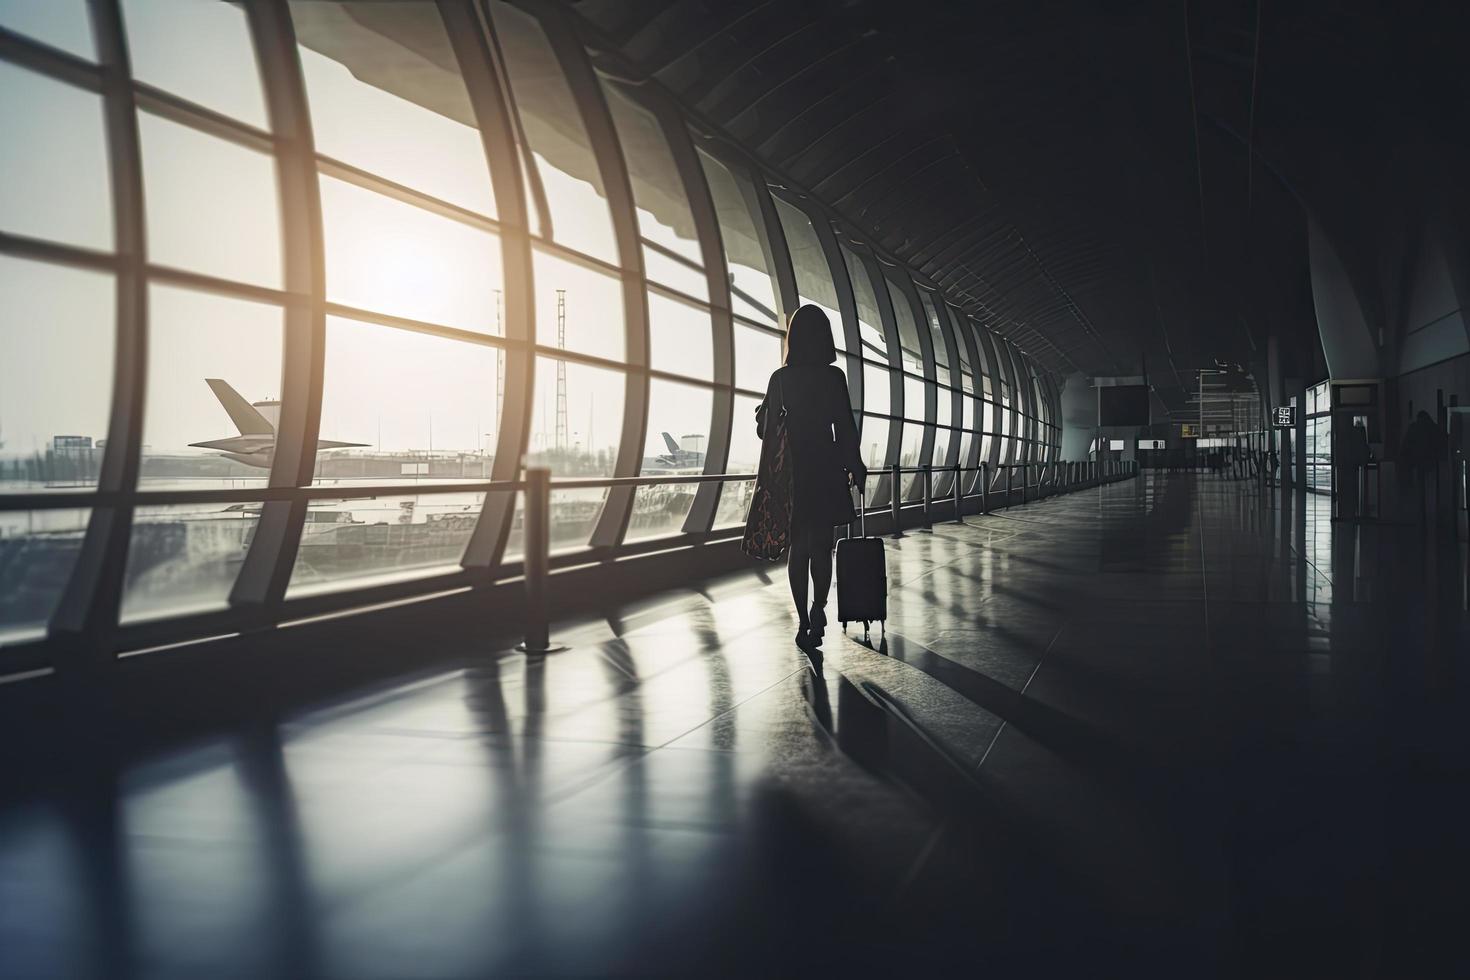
[862,490]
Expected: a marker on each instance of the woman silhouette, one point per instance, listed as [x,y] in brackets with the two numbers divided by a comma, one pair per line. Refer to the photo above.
[823,445]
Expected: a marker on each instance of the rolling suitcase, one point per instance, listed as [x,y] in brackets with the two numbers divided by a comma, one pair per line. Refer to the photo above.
[862,576]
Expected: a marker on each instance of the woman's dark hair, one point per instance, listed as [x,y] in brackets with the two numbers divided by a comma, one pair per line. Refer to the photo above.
[809,337]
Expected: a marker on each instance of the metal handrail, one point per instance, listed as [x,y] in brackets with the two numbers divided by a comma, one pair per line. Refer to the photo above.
[539,487]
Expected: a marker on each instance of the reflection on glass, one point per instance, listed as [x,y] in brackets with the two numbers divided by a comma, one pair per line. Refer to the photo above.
[201,51]
[214,380]
[745,457]
[936,334]
[870,320]
[757,356]
[37,552]
[390,257]
[577,308]
[679,337]
[658,189]
[410,407]
[56,343]
[211,204]
[366,540]
[678,434]
[391,108]
[877,389]
[908,329]
[185,558]
[967,407]
[54,158]
[809,262]
[558,139]
[62,24]
[741,231]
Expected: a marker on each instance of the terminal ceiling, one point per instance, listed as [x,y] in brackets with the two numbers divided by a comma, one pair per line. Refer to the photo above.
[1116,186]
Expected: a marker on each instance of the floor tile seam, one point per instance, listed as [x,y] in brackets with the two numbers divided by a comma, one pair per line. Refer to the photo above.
[637,757]
[1004,722]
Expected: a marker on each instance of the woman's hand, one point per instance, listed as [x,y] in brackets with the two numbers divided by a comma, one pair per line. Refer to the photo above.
[857,476]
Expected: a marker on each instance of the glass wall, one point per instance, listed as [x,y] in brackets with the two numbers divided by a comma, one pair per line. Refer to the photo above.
[356,303]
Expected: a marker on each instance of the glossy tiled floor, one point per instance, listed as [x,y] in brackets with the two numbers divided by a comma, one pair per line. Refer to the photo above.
[1163,726]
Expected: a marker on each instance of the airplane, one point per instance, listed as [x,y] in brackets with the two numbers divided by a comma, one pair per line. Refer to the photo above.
[256,443]
[676,458]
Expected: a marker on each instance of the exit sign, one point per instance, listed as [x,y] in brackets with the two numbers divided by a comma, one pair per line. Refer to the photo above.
[1286,417]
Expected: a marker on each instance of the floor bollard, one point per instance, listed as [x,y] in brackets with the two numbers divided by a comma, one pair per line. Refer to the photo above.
[536,535]
[895,501]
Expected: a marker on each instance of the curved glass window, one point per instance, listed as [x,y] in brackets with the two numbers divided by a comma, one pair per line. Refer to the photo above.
[185,557]
[664,218]
[910,453]
[873,444]
[56,346]
[757,356]
[578,308]
[390,257]
[809,262]
[200,51]
[54,158]
[961,325]
[212,204]
[745,457]
[908,328]
[557,138]
[396,110]
[63,24]
[406,406]
[37,552]
[870,320]
[677,437]
[913,398]
[679,337]
[877,389]
[208,355]
[752,294]
[937,339]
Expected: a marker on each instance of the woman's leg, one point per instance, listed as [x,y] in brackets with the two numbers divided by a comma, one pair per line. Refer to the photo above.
[798,566]
[820,549]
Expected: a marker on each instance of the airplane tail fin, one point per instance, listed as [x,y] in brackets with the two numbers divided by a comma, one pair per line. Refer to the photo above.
[245,416]
[671,442]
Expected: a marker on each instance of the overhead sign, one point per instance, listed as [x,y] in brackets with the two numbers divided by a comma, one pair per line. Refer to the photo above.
[1286,416]
[1188,430]
[1150,444]
[1117,445]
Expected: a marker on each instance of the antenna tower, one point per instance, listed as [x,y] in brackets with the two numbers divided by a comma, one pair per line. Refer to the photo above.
[561,371]
[499,362]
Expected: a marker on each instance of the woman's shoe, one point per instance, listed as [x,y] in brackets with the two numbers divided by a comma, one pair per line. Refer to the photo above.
[819,624]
